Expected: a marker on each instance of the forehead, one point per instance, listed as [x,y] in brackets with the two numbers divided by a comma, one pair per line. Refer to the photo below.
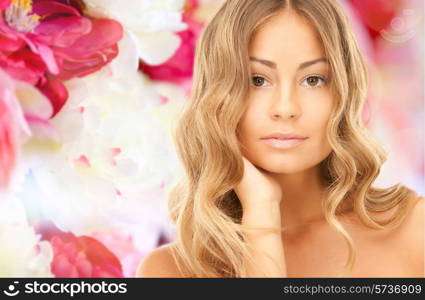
[284,35]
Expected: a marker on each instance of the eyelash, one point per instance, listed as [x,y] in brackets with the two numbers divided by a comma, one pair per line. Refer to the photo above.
[324,80]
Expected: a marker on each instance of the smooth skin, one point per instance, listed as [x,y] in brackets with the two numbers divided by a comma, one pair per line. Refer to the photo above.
[281,187]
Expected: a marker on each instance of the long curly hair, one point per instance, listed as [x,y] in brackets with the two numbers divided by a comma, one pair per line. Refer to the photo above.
[203,205]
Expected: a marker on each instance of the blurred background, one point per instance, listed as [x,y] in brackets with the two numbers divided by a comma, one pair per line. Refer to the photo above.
[89,95]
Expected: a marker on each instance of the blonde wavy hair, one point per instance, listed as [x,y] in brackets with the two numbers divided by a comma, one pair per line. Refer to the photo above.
[203,205]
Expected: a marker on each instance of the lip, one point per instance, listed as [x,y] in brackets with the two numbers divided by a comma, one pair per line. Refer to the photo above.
[283,141]
[284,136]
[283,144]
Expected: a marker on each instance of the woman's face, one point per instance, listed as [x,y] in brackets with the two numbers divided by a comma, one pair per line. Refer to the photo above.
[289,93]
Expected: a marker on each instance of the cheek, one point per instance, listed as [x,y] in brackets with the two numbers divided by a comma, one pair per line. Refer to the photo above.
[242,129]
[248,124]
[317,116]
[247,133]
[318,147]
[317,123]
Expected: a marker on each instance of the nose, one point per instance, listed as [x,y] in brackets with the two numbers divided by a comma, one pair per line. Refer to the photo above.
[285,105]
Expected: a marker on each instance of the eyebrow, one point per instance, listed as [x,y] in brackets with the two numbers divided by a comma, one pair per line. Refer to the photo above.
[303,65]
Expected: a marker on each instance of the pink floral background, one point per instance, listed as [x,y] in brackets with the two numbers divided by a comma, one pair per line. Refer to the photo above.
[89,94]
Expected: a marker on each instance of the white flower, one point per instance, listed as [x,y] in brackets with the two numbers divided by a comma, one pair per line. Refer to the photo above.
[153,24]
[22,254]
[115,160]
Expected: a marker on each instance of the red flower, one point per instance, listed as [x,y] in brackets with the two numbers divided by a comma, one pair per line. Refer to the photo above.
[49,41]
[81,256]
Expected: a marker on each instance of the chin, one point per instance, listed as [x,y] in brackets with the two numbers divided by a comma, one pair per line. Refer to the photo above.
[281,167]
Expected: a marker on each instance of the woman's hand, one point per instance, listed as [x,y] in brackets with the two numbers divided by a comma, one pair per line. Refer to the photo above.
[257,188]
[260,195]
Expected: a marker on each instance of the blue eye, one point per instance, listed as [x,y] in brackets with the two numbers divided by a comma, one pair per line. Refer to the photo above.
[314,81]
[258,80]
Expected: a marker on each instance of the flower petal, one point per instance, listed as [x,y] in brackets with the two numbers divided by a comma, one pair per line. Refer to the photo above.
[57,93]
[62,32]
[10,44]
[33,102]
[50,8]
[104,33]
[48,57]
[82,67]
[156,48]
[4,4]
[23,65]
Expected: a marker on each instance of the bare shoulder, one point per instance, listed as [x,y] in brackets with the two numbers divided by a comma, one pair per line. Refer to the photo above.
[415,218]
[412,227]
[413,236]
[418,217]
[159,263]
[418,210]
[405,243]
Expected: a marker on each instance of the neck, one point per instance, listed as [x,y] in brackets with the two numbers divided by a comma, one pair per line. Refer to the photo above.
[303,194]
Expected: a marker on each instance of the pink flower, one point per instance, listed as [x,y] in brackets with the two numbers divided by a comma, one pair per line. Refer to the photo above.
[125,249]
[23,65]
[4,3]
[77,4]
[180,66]
[45,41]
[81,256]
[376,15]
